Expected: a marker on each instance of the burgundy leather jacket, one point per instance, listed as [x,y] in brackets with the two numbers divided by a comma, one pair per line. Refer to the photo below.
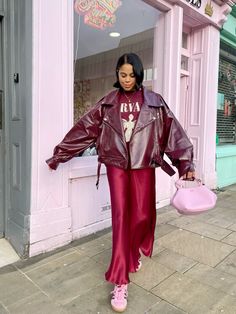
[157,131]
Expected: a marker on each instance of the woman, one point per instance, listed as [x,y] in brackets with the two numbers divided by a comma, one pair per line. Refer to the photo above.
[132,128]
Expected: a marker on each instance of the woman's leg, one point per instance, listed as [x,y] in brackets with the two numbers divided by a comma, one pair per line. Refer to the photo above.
[142,214]
[119,191]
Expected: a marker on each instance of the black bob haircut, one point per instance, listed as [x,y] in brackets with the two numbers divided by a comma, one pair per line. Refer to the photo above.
[135,61]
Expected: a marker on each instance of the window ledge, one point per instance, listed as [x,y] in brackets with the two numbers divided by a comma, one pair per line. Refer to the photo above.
[85,167]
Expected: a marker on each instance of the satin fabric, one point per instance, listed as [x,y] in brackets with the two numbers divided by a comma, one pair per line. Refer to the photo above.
[132,194]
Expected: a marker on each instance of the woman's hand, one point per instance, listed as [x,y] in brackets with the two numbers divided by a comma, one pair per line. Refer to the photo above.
[190,175]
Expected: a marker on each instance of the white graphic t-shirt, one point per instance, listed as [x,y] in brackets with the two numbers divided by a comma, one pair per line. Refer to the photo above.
[130,106]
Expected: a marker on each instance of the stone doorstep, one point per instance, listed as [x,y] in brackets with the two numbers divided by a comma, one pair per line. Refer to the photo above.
[7,254]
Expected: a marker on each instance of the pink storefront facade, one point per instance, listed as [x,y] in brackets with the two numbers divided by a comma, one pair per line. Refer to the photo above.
[65,205]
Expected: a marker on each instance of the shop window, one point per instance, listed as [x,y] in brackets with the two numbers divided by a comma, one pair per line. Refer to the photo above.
[184,40]
[103,31]
[185,54]
[184,63]
[226,104]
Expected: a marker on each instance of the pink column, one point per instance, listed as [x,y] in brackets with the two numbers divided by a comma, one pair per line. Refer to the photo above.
[50,220]
[167,61]
[203,100]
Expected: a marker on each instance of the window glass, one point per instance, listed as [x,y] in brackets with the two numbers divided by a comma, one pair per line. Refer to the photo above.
[103,31]
[185,40]
[226,103]
[185,51]
[184,63]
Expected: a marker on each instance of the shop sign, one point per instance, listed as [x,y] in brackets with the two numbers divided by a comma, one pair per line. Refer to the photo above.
[209,9]
[195,3]
[97,13]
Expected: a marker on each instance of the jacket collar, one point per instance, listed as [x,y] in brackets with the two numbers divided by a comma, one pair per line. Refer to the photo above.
[151,98]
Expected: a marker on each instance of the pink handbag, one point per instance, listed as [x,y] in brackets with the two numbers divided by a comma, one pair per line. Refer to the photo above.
[192,200]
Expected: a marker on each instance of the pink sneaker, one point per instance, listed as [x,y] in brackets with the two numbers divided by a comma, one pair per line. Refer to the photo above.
[139,265]
[119,298]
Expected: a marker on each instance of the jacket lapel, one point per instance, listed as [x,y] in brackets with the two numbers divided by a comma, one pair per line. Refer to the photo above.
[112,112]
[147,114]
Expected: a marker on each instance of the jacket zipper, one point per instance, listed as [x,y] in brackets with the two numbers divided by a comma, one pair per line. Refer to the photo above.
[124,143]
[141,128]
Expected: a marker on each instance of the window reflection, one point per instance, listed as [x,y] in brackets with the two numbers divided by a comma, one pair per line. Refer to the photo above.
[96,52]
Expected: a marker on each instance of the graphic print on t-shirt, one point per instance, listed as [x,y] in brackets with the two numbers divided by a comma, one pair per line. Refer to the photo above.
[129,112]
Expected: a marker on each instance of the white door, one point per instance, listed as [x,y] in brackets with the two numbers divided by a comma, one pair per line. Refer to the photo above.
[190,91]
[2,207]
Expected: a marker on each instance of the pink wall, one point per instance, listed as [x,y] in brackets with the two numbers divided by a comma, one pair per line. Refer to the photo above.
[50,222]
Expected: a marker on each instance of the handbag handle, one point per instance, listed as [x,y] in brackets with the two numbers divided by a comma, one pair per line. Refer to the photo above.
[180,182]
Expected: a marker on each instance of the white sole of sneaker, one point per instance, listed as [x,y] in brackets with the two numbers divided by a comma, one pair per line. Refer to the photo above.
[118,310]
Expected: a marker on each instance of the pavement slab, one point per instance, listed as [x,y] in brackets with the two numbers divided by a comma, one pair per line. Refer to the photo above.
[196,247]
[157,248]
[192,296]
[214,278]
[164,307]
[163,229]
[36,304]
[202,228]
[11,284]
[43,259]
[228,265]
[151,274]
[97,300]
[103,257]
[228,202]
[67,277]
[230,239]
[232,227]
[166,217]
[94,247]
[221,216]
[174,261]
[232,188]
[226,305]
[216,219]
[2,309]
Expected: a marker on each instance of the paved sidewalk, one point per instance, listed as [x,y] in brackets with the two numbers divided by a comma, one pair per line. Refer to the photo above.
[193,270]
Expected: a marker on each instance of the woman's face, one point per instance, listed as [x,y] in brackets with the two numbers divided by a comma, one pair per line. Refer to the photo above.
[126,77]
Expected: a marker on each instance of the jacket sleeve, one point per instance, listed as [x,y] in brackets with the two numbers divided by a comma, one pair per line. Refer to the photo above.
[81,136]
[175,142]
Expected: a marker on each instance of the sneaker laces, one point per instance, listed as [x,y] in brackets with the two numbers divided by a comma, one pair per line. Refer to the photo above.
[120,292]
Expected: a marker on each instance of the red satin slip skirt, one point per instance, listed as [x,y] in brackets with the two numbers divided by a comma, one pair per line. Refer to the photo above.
[133,219]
